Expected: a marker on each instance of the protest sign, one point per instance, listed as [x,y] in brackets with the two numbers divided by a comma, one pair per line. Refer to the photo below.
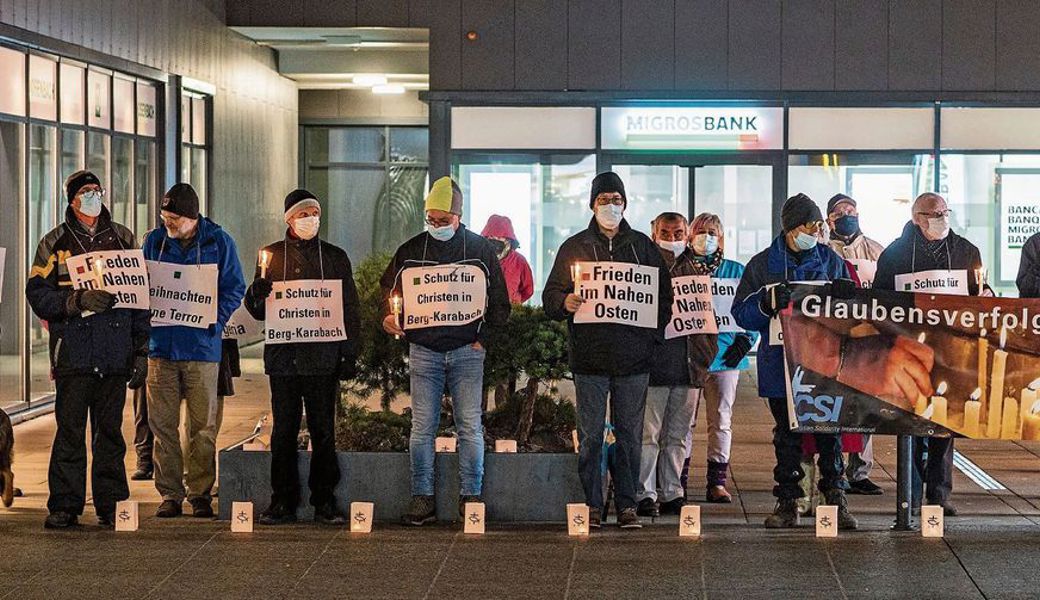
[616,292]
[183,294]
[122,273]
[919,364]
[865,269]
[692,309]
[722,292]
[939,281]
[242,326]
[305,310]
[443,295]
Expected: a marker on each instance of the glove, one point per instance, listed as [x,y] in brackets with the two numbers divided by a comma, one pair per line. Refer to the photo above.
[262,288]
[96,301]
[737,350]
[774,299]
[137,378]
[843,288]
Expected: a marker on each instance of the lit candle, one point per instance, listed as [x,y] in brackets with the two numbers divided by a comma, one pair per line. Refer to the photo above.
[99,278]
[983,356]
[265,259]
[996,389]
[1031,423]
[396,306]
[981,277]
[939,405]
[971,414]
[1029,397]
[1009,427]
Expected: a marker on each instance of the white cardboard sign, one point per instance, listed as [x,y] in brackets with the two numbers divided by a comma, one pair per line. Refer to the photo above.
[690,521]
[932,521]
[305,310]
[505,446]
[361,516]
[617,292]
[443,295]
[826,521]
[474,518]
[939,281]
[577,519]
[445,444]
[127,515]
[692,309]
[866,269]
[722,293]
[122,273]
[183,294]
[241,517]
[242,326]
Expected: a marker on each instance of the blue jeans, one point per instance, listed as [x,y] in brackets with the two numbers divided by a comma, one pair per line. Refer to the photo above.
[627,401]
[463,371]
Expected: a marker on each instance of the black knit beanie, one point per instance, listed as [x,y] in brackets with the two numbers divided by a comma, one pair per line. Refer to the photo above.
[607,183]
[298,199]
[182,200]
[77,180]
[797,211]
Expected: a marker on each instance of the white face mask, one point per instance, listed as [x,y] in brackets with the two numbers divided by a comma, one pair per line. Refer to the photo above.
[938,227]
[705,244]
[306,228]
[677,248]
[609,215]
[441,234]
[90,204]
[805,241]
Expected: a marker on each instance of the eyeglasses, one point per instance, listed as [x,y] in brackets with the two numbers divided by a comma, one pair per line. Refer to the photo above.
[616,200]
[438,223]
[100,191]
[937,214]
[814,225]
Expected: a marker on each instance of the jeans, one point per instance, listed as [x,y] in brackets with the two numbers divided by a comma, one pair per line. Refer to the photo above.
[627,401]
[666,422]
[289,395]
[788,448]
[462,370]
[933,467]
[861,463]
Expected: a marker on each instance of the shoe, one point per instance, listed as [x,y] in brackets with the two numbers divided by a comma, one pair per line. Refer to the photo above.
[865,487]
[647,507]
[718,494]
[107,520]
[278,514]
[628,519]
[423,510]
[463,500]
[785,514]
[949,509]
[595,520]
[837,497]
[60,520]
[169,509]
[201,508]
[142,474]
[328,514]
[672,507]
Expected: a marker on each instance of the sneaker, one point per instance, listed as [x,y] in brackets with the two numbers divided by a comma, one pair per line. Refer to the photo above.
[278,514]
[201,508]
[672,507]
[169,509]
[142,474]
[647,507]
[463,500]
[785,514]
[60,520]
[595,520]
[865,487]
[628,519]
[423,510]
[837,497]
[328,514]
[107,520]
[718,494]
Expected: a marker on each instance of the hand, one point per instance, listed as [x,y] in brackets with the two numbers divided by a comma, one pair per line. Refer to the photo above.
[97,301]
[573,302]
[477,346]
[894,369]
[391,326]
[347,368]
[737,351]
[140,373]
[843,288]
[774,299]
[262,288]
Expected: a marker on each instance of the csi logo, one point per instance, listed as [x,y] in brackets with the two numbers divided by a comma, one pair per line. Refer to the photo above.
[816,408]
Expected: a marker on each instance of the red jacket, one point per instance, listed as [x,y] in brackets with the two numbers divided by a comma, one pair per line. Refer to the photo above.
[517,273]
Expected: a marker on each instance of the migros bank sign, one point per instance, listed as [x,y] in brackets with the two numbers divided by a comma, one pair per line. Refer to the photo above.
[692,128]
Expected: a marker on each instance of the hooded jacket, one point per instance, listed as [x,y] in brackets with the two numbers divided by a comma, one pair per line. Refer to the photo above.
[1028,279]
[517,273]
[778,264]
[102,344]
[608,349]
[908,255]
[211,245]
[682,360]
[465,247]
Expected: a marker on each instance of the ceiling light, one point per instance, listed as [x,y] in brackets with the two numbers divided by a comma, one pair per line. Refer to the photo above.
[388,88]
[370,79]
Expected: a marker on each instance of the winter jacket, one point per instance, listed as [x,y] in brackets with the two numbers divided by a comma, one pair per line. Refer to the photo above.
[860,247]
[103,344]
[292,259]
[1028,279]
[211,245]
[465,247]
[730,269]
[609,349]
[517,273]
[682,360]
[774,265]
[908,255]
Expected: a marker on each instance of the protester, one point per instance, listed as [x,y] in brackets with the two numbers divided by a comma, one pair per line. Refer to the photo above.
[1028,279]
[608,358]
[96,350]
[517,273]
[764,291]
[677,375]
[928,244]
[440,354]
[305,375]
[184,361]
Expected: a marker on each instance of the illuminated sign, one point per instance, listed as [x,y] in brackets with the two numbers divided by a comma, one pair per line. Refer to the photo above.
[686,128]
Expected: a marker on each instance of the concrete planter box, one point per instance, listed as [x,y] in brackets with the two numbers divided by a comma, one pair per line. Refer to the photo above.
[524,487]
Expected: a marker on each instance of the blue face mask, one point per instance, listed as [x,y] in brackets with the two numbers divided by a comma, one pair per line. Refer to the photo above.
[805,241]
[847,226]
[441,234]
[90,204]
[705,244]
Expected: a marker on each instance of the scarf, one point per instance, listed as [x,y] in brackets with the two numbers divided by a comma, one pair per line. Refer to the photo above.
[707,265]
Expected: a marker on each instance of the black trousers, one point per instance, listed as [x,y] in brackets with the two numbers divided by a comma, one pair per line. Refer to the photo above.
[101,399]
[144,439]
[289,395]
[788,448]
[933,467]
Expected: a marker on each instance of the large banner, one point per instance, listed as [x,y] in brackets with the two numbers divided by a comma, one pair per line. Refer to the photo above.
[305,310]
[120,272]
[920,364]
[183,294]
[617,292]
[443,295]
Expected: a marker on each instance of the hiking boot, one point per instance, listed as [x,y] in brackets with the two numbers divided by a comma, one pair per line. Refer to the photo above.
[463,500]
[785,514]
[718,494]
[647,507]
[60,520]
[423,510]
[672,507]
[278,514]
[628,519]
[328,514]
[595,520]
[865,487]
[107,520]
[169,509]
[836,497]
[142,474]
[201,508]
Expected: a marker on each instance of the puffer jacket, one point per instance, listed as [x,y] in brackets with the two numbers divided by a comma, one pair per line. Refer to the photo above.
[908,255]
[682,360]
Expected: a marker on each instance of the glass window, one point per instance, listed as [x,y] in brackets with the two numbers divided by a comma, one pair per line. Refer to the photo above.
[72,158]
[198,178]
[120,187]
[409,144]
[97,156]
[123,102]
[144,187]
[43,88]
[652,190]
[12,315]
[12,82]
[355,145]
[99,99]
[146,110]
[186,119]
[742,196]
[43,216]
[198,121]
[73,94]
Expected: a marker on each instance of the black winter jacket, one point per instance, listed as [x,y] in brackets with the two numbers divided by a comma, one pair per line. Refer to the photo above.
[292,259]
[907,254]
[683,360]
[607,349]
[102,344]
[1028,279]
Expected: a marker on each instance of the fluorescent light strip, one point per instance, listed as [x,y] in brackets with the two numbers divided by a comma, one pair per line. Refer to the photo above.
[975,473]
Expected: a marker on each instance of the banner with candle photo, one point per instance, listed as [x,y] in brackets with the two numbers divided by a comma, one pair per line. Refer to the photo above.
[912,363]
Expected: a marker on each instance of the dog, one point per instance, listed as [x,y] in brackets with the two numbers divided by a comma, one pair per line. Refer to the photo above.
[7,492]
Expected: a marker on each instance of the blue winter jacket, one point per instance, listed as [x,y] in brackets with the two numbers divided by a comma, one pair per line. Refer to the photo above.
[729,269]
[179,342]
[774,265]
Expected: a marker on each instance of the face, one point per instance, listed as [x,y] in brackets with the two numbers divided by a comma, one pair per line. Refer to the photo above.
[310,211]
[670,231]
[841,210]
[177,226]
[440,218]
[77,200]
[929,207]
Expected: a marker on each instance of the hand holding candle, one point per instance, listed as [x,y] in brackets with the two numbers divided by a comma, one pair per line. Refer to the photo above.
[396,307]
[264,260]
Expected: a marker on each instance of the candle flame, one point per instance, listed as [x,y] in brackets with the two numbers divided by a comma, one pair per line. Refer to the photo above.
[1035,384]
[920,337]
[976,394]
[983,334]
[1003,337]
[940,389]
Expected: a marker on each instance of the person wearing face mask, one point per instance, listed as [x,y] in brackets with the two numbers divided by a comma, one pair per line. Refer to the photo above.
[795,255]
[446,355]
[96,350]
[609,360]
[305,375]
[184,362]
[519,279]
[677,376]
[928,244]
